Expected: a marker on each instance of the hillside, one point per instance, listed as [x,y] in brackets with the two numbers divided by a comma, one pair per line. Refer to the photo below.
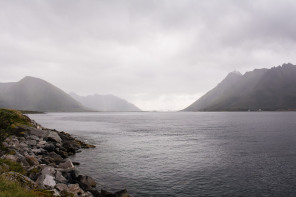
[35,94]
[265,89]
[105,102]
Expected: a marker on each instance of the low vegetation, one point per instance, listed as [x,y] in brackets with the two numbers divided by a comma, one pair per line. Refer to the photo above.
[10,120]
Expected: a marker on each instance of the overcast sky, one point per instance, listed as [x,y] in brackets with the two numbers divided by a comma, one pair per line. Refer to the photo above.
[157,54]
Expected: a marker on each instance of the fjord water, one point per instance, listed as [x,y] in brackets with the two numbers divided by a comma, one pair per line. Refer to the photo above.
[186,153]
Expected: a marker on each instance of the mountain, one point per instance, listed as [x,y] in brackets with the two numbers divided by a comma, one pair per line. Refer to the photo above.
[35,94]
[105,102]
[265,89]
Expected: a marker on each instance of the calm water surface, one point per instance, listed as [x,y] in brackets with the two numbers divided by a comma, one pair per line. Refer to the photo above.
[186,154]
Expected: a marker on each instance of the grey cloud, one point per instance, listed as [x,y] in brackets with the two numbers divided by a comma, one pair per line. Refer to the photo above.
[146,51]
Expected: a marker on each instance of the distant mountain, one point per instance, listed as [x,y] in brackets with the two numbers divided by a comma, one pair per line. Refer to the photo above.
[35,94]
[105,102]
[265,89]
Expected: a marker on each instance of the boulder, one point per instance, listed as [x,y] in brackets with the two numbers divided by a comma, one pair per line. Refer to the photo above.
[86,182]
[75,189]
[60,178]
[46,179]
[71,174]
[33,137]
[61,187]
[55,157]
[49,147]
[37,132]
[14,143]
[67,164]
[32,160]
[32,142]
[54,136]
[122,193]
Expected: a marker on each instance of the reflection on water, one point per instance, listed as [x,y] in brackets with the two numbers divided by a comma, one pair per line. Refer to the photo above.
[186,154]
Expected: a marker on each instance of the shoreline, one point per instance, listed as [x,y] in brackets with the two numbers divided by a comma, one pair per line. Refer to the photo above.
[44,156]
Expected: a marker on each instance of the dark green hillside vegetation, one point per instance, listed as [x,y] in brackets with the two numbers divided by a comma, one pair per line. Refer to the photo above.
[10,121]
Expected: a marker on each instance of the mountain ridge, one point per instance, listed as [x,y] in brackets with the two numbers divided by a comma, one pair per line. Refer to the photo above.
[35,94]
[261,89]
[105,102]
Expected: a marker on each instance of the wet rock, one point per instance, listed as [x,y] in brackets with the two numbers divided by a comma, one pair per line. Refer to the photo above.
[122,193]
[75,189]
[55,157]
[86,182]
[107,194]
[71,174]
[67,164]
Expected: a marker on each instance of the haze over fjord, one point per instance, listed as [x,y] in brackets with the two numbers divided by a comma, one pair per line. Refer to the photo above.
[159,55]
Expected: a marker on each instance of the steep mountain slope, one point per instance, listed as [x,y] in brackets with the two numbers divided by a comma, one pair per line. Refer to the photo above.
[265,89]
[105,103]
[37,95]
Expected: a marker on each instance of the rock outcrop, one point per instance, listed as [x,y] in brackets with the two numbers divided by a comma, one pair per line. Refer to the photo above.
[43,154]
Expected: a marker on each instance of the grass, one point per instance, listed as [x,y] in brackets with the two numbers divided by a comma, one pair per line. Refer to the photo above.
[10,120]
[13,166]
[14,189]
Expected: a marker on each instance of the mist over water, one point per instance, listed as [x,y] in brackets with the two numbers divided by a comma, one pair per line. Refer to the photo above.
[186,154]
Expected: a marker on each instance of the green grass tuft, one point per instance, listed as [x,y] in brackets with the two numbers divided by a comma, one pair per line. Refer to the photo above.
[13,166]
[14,189]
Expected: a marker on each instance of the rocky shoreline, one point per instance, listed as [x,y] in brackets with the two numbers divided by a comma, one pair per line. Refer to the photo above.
[44,155]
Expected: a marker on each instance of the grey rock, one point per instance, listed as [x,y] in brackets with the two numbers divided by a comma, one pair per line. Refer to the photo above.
[37,132]
[67,164]
[55,192]
[48,170]
[33,137]
[37,151]
[32,142]
[61,187]
[54,136]
[5,144]
[75,189]
[23,145]
[86,182]
[48,181]
[49,147]
[14,143]
[55,157]
[60,178]
[122,193]
[32,160]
